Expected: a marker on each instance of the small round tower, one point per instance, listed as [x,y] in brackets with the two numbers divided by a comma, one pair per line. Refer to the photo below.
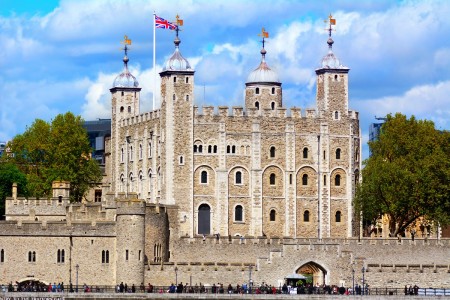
[130,241]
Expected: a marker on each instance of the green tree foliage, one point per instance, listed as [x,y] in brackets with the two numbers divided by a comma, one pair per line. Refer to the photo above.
[9,173]
[407,176]
[57,151]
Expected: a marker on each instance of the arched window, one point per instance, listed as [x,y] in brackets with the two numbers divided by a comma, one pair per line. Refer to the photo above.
[336,115]
[272,179]
[187,97]
[140,151]
[149,149]
[238,213]
[273,91]
[238,177]
[121,108]
[228,149]
[129,109]
[121,155]
[305,179]
[257,91]
[338,217]
[273,215]
[305,152]
[200,148]
[150,184]
[215,149]
[173,97]
[337,180]
[204,219]
[204,177]
[272,105]
[122,183]
[306,216]
[338,153]
[272,151]
[257,105]
[233,149]
[209,148]
[140,183]
[195,148]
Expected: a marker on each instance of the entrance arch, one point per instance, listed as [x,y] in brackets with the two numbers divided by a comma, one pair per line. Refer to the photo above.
[204,219]
[315,271]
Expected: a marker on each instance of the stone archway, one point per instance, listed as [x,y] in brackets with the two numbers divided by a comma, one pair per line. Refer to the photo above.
[316,271]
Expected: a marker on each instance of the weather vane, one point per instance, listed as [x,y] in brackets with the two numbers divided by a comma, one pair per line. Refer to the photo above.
[179,23]
[264,34]
[330,21]
[126,41]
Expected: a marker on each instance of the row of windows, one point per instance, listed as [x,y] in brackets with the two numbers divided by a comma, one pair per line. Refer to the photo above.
[140,153]
[175,79]
[60,256]
[211,149]
[239,215]
[272,105]
[257,91]
[272,178]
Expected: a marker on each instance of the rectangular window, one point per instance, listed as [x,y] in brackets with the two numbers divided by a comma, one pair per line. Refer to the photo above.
[139,255]
[324,180]
[98,196]
[2,255]
[290,178]
[126,254]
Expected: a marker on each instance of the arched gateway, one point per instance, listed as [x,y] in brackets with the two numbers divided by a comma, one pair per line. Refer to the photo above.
[315,271]
[204,219]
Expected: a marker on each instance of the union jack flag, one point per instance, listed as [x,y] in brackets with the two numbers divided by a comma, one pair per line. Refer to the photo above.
[164,24]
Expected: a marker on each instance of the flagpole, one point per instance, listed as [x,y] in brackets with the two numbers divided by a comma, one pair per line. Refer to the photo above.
[154,59]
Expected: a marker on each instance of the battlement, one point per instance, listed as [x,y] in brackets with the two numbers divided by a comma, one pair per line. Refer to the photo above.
[238,111]
[58,228]
[144,117]
[130,205]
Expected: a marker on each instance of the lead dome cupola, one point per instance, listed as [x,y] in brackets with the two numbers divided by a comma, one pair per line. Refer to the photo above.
[125,79]
[263,73]
[177,62]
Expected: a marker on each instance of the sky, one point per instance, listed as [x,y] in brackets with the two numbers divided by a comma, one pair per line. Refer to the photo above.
[59,56]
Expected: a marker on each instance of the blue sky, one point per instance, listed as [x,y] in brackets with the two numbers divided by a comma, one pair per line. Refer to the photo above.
[60,56]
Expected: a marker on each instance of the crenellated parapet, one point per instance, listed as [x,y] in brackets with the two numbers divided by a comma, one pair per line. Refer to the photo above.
[252,112]
[142,118]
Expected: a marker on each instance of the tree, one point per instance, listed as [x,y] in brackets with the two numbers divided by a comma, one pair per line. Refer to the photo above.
[57,151]
[407,176]
[9,174]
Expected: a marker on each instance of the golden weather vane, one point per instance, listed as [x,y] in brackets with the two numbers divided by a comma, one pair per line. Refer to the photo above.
[265,35]
[126,40]
[330,21]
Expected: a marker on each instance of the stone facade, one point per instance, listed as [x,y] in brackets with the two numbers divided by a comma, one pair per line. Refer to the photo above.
[220,195]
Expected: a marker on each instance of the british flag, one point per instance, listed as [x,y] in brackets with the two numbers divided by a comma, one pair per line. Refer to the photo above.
[164,24]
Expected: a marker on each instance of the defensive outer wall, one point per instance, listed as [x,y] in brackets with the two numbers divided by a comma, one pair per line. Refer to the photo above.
[387,262]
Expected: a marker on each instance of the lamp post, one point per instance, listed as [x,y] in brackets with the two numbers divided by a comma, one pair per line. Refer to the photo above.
[353,280]
[363,281]
[250,278]
[77,267]
[176,275]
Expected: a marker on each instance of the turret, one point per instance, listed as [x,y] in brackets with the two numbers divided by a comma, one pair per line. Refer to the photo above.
[125,95]
[332,84]
[177,130]
[263,88]
[130,241]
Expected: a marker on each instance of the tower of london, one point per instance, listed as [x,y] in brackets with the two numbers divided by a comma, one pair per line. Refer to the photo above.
[259,169]
[241,194]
